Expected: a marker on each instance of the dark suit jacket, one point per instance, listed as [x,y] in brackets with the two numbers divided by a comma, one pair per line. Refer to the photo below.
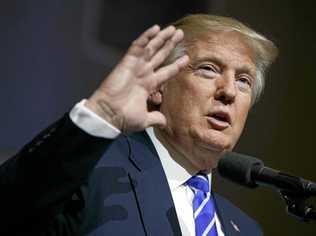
[66,182]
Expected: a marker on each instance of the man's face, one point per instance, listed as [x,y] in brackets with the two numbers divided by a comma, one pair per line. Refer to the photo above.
[206,106]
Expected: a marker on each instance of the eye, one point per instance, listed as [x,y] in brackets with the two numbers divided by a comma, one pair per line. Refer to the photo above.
[207,70]
[244,82]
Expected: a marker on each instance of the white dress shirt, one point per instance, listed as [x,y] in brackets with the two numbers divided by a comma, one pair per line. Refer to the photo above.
[176,175]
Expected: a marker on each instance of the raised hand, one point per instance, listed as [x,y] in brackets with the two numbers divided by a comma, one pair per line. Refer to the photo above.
[122,97]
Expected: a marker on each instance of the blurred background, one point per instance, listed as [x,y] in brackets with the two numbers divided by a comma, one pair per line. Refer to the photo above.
[54,53]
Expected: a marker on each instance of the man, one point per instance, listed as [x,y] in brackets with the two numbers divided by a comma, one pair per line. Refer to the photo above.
[97,172]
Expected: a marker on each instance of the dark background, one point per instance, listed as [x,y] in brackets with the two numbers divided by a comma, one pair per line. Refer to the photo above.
[54,53]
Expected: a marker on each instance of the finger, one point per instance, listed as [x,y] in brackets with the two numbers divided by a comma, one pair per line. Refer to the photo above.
[159,40]
[144,38]
[136,51]
[169,71]
[156,118]
[164,52]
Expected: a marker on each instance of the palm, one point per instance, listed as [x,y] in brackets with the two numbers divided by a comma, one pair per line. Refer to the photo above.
[127,88]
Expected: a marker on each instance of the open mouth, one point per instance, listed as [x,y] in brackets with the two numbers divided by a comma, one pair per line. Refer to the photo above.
[219,120]
[221,117]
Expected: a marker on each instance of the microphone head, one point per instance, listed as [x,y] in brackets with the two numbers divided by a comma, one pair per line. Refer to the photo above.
[238,167]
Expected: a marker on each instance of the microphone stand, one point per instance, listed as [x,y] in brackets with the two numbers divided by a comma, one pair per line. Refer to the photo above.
[297,206]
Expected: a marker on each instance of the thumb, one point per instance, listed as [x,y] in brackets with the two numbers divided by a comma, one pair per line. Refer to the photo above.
[156,118]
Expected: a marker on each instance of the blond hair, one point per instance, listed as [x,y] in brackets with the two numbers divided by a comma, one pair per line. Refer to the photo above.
[195,25]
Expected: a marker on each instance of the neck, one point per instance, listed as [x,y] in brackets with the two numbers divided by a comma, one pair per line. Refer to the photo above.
[175,154]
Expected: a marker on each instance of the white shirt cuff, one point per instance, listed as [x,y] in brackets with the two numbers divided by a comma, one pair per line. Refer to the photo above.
[91,123]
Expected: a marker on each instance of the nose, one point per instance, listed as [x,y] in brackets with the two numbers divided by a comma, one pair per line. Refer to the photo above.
[226,89]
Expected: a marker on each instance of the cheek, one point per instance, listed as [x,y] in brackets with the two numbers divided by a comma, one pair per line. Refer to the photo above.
[197,94]
[241,116]
[185,97]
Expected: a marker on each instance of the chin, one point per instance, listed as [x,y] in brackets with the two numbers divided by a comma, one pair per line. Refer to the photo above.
[216,144]
[213,140]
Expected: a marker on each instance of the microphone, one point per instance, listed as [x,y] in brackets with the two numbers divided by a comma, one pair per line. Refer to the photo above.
[251,172]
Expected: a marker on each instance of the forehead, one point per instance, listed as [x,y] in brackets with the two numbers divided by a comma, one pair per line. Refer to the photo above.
[227,48]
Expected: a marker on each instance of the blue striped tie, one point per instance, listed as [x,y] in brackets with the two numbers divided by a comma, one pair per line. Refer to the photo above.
[203,206]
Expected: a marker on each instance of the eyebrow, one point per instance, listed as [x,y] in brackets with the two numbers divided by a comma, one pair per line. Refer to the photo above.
[214,59]
[243,69]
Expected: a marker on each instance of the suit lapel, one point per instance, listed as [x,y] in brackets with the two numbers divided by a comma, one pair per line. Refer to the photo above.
[151,189]
[229,226]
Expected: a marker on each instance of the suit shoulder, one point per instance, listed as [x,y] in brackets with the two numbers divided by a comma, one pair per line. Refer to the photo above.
[121,148]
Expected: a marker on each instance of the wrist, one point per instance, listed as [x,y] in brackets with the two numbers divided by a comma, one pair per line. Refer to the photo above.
[103,109]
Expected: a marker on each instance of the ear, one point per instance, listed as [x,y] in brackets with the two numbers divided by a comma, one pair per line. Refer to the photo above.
[155,98]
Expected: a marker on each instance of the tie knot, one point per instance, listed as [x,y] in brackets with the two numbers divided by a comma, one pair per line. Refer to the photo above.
[199,182]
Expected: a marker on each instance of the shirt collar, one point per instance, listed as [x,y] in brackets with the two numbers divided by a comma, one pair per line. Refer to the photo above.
[175,173]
